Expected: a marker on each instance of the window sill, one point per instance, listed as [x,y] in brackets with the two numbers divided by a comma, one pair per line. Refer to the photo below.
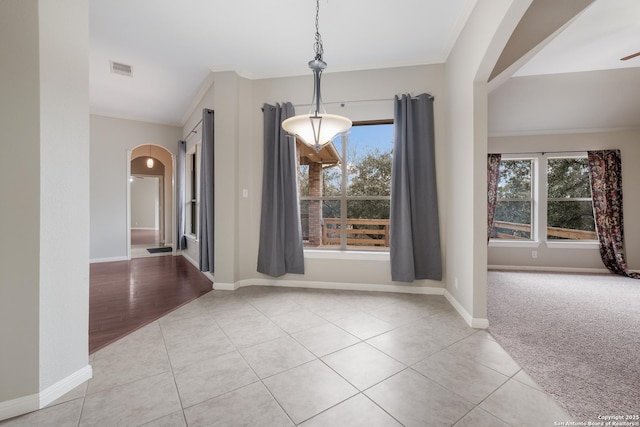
[514,244]
[346,255]
[591,244]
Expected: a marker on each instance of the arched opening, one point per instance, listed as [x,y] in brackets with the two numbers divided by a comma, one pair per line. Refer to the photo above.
[150,224]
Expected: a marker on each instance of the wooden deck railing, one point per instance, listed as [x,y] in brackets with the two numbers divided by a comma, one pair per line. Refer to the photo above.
[562,233]
[360,232]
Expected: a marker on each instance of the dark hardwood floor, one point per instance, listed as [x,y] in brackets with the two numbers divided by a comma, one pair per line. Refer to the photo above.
[127,295]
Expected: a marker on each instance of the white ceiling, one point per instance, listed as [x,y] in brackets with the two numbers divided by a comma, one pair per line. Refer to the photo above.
[173,46]
[576,83]
[596,40]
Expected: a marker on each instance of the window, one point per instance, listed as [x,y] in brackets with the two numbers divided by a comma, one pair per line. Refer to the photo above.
[514,206]
[192,191]
[345,189]
[548,191]
[569,204]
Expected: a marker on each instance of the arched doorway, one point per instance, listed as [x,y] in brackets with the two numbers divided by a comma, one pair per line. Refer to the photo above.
[150,207]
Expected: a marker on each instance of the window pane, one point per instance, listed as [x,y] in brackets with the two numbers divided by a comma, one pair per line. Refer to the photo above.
[368,224]
[568,178]
[303,180]
[369,149]
[332,181]
[512,220]
[513,217]
[360,163]
[568,218]
[331,223]
[515,179]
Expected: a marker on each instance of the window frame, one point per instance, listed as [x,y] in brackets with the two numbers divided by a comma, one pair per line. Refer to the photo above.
[534,200]
[192,192]
[540,207]
[343,198]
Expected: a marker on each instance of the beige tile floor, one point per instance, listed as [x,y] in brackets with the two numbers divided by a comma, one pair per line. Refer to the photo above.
[280,357]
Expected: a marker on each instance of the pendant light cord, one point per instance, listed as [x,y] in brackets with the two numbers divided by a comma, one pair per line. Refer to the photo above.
[317,46]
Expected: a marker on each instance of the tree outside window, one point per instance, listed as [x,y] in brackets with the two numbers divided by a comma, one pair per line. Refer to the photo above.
[514,207]
[569,204]
[567,208]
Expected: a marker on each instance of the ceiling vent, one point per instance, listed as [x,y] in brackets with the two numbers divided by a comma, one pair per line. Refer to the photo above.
[120,68]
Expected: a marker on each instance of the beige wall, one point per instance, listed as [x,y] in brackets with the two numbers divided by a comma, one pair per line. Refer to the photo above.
[44,289]
[628,142]
[20,193]
[467,71]
[111,141]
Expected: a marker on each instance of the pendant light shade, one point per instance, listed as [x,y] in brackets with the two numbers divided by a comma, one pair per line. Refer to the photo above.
[150,159]
[317,128]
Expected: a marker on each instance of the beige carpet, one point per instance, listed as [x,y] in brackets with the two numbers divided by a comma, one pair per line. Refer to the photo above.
[577,335]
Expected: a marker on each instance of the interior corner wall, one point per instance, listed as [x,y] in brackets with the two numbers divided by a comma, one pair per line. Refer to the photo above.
[227,96]
[467,70]
[44,110]
[581,258]
[20,194]
[111,139]
[64,197]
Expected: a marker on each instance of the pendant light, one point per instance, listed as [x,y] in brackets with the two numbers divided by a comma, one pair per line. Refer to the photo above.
[317,128]
[150,159]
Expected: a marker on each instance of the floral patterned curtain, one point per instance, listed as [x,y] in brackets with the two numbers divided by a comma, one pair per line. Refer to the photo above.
[493,177]
[605,174]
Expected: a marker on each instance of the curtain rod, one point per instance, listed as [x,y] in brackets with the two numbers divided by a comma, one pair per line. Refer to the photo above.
[194,129]
[343,103]
[544,152]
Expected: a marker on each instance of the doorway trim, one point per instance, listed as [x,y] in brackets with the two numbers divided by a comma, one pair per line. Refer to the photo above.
[172,207]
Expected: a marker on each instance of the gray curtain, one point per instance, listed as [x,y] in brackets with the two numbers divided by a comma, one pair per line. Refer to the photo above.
[206,193]
[181,240]
[414,225]
[280,249]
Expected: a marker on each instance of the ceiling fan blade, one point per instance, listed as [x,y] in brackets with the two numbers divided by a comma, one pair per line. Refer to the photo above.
[630,56]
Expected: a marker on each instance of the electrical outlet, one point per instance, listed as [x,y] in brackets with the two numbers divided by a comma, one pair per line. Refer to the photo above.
[534,254]
[245,193]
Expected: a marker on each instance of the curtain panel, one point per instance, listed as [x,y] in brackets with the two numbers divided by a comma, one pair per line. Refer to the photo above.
[205,235]
[493,178]
[280,249]
[181,240]
[414,223]
[605,173]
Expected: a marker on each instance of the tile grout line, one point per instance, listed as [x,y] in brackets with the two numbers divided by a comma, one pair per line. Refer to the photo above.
[249,365]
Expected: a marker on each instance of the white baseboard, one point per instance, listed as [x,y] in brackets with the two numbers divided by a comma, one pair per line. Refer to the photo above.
[423,290]
[474,322]
[219,286]
[65,385]
[112,259]
[549,269]
[22,405]
[145,228]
